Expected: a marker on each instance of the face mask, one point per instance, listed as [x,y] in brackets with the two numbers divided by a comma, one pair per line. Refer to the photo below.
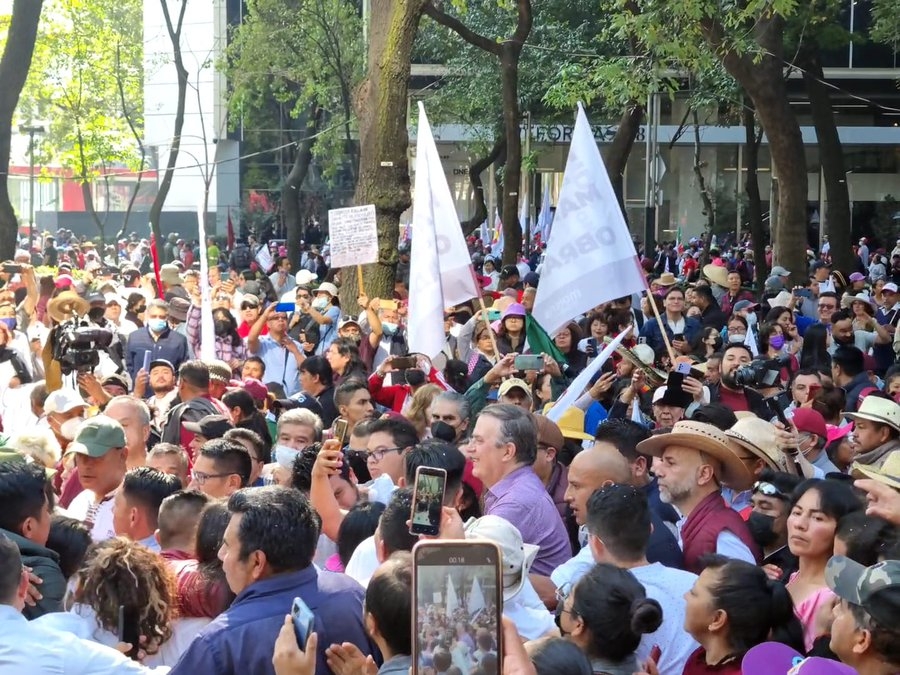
[222,327]
[751,319]
[69,428]
[95,314]
[761,528]
[443,431]
[388,328]
[320,303]
[736,338]
[415,377]
[10,323]
[776,341]
[157,325]
[285,456]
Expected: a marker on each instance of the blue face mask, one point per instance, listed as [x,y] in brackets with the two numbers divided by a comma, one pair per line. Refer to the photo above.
[157,325]
[388,328]
[285,456]
[10,323]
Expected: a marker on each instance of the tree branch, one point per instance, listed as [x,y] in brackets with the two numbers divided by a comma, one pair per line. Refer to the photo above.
[465,32]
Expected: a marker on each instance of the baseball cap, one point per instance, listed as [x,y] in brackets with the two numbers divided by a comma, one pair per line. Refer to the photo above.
[348,320]
[512,383]
[890,287]
[252,386]
[305,277]
[779,271]
[63,400]
[819,264]
[810,421]
[856,276]
[776,658]
[532,279]
[509,271]
[162,362]
[516,556]
[741,305]
[211,426]
[876,589]
[96,436]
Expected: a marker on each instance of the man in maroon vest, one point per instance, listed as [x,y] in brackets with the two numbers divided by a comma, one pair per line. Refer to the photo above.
[694,462]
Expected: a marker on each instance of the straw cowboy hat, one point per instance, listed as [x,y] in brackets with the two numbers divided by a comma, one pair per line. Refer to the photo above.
[716,274]
[889,473]
[877,409]
[704,438]
[666,279]
[66,305]
[757,436]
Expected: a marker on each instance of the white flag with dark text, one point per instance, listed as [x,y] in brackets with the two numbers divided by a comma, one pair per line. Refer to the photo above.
[590,257]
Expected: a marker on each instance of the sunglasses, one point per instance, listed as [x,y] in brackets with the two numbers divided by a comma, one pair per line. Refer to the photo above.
[249,305]
[768,490]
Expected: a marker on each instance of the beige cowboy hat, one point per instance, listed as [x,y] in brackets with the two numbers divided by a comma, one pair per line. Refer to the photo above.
[66,305]
[716,274]
[877,409]
[783,299]
[889,473]
[666,279]
[757,436]
[705,438]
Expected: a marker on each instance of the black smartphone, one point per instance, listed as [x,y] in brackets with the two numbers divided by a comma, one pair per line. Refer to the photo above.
[427,500]
[457,582]
[404,362]
[130,630]
[304,621]
[12,268]
[679,337]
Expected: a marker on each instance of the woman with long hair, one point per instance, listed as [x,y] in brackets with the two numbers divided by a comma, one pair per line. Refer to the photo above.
[863,309]
[418,411]
[605,614]
[245,414]
[784,317]
[771,343]
[814,353]
[122,573]
[482,356]
[229,345]
[816,507]
[566,341]
[511,334]
[707,343]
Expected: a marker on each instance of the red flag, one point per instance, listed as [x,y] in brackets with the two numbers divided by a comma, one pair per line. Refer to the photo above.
[154,255]
[230,232]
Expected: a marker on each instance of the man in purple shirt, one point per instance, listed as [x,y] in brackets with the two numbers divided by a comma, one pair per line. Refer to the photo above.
[503,450]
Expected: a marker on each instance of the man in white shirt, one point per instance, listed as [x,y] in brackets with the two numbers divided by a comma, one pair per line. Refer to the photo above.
[618,522]
[100,457]
[29,648]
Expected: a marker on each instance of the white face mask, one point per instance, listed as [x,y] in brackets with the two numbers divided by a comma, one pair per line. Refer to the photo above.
[69,428]
[285,456]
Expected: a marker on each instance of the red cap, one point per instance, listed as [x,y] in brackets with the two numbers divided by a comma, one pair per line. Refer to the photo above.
[810,421]
[470,479]
[835,433]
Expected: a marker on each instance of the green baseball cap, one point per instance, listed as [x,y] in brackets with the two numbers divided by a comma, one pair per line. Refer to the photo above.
[96,436]
[876,589]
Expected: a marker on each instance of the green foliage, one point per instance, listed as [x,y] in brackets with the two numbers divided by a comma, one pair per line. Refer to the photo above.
[886,21]
[292,54]
[86,51]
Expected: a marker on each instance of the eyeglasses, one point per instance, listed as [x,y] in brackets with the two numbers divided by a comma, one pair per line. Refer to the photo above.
[768,490]
[378,455]
[563,592]
[200,478]
[827,306]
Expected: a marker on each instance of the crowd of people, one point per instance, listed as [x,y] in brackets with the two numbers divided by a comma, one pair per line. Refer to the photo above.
[724,492]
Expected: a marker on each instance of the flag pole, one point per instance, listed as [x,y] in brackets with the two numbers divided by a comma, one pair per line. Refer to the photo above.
[662,329]
[359,280]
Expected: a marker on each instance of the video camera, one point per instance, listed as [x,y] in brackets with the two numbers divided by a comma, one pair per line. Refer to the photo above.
[75,345]
[760,373]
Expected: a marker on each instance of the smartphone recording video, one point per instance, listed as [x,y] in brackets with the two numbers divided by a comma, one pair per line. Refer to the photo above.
[457,587]
[428,498]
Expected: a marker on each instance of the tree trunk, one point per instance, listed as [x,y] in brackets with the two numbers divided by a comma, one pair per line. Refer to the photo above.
[762,79]
[475,170]
[14,65]
[512,175]
[618,152]
[381,105]
[708,204]
[290,192]
[174,31]
[836,219]
[754,201]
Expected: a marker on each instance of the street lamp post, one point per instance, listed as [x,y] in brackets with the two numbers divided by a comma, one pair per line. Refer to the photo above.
[31,130]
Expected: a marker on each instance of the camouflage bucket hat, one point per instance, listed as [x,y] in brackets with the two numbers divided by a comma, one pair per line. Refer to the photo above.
[876,589]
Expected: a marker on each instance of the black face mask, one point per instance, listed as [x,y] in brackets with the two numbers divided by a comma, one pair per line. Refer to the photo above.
[222,327]
[762,529]
[95,314]
[415,377]
[443,431]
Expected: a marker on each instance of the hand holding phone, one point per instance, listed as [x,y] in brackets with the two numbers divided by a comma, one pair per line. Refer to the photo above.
[304,621]
[529,362]
[148,357]
[403,362]
[130,630]
[427,501]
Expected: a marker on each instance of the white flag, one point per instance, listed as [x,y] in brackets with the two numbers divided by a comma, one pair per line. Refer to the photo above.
[440,268]
[523,214]
[576,389]
[590,257]
[207,333]
[544,218]
[452,602]
[476,599]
